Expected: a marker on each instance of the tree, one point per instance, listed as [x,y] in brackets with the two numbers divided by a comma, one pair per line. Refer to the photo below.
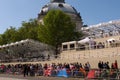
[10,35]
[57,28]
[1,41]
[29,30]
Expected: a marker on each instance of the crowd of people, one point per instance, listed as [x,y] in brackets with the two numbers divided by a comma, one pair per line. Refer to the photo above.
[105,65]
[72,69]
[39,69]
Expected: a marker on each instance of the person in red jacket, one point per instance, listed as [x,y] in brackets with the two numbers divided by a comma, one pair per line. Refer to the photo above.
[116,64]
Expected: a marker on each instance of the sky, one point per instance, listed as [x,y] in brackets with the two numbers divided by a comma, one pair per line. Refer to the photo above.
[13,12]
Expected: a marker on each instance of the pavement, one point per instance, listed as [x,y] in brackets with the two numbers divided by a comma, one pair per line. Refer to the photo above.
[4,78]
[20,77]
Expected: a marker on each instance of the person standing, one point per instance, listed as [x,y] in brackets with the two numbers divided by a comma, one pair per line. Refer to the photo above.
[24,70]
[116,64]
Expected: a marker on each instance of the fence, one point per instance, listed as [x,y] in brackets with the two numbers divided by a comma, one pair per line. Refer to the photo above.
[104,74]
[94,74]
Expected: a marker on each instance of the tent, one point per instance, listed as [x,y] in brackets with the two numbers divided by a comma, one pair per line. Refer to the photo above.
[83,41]
[86,40]
[111,39]
[86,43]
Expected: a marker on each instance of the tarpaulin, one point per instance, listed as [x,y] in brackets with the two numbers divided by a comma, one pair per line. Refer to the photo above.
[91,74]
[62,73]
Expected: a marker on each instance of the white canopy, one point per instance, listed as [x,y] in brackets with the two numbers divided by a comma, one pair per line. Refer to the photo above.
[111,39]
[86,40]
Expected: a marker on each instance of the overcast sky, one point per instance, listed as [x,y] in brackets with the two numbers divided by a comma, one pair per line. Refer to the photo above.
[13,12]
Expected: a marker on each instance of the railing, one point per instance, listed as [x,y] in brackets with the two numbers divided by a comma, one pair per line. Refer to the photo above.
[96,74]
[105,74]
[91,53]
[28,59]
[94,47]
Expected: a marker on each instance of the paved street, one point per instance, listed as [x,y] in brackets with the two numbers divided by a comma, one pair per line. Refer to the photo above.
[4,78]
[16,77]
[20,77]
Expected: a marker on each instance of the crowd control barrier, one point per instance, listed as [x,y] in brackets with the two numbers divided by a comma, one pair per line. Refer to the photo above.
[93,74]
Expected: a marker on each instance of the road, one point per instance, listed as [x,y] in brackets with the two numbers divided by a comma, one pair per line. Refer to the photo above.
[20,77]
[4,78]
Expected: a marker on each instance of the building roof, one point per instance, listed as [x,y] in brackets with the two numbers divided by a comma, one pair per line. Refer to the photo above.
[57,1]
[25,46]
[58,5]
[107,27]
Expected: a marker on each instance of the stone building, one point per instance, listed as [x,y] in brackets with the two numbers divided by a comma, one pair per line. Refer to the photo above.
[63,6]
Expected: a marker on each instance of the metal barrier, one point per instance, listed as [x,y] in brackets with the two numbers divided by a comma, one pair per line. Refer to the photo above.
[105,74]
[98,74]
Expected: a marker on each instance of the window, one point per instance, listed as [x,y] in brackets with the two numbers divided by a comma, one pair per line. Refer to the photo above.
[65,47]
[60,5]
[72,46]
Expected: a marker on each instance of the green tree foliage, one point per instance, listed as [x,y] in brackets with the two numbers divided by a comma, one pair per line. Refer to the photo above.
[57,28]
[10,35]
[28,30]
[1,42]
